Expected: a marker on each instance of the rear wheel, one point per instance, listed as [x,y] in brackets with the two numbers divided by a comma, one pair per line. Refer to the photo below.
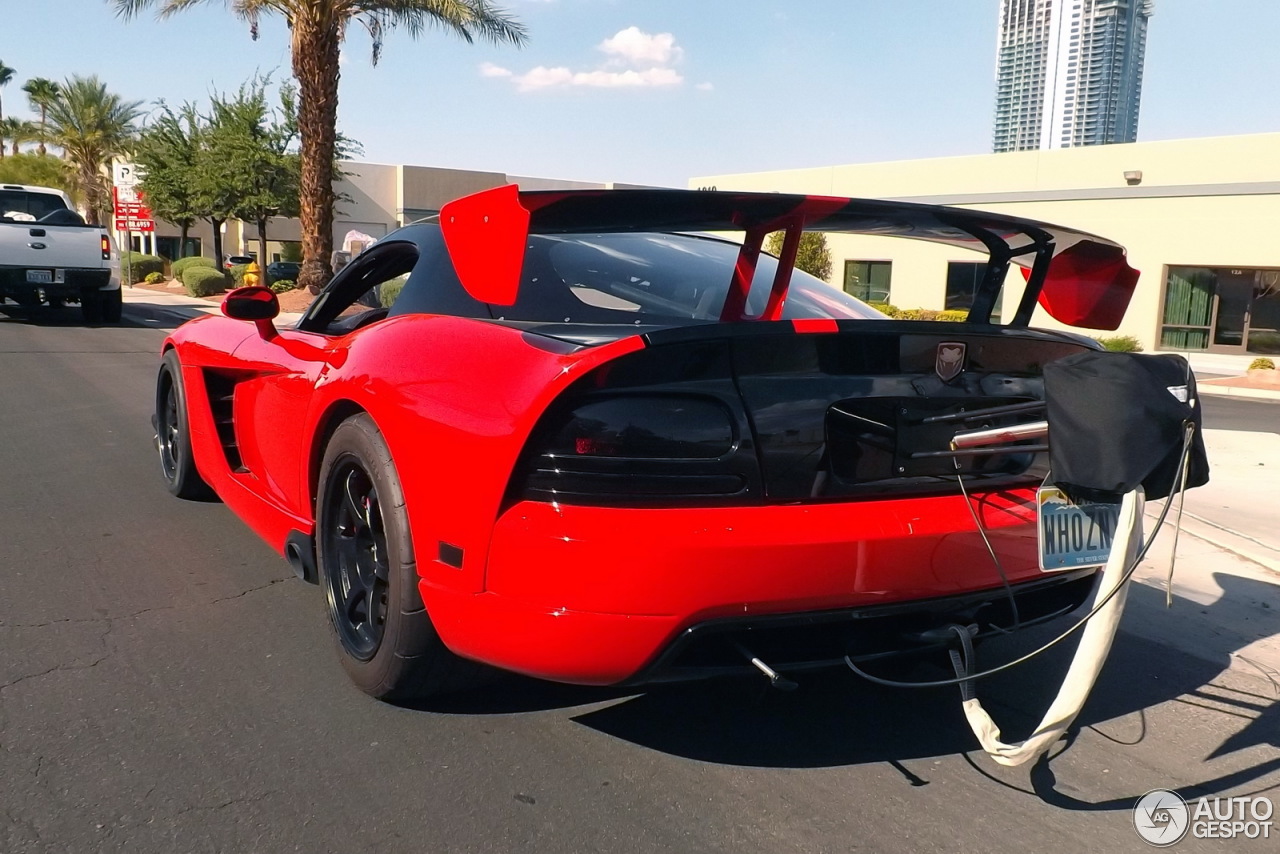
[385,638]
[90,305]
[112,303]
[173,435]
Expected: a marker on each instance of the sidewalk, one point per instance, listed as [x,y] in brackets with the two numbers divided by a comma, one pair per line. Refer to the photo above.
[179,308]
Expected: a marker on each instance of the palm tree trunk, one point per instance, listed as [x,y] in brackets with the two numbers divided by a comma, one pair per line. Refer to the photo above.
[316,40]
[43,133]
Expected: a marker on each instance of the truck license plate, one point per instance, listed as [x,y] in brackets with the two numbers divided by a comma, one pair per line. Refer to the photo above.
[1073,535]
[40,277]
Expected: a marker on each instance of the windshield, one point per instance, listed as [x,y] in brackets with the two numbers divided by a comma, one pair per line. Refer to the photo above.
[24,206]
[650,277]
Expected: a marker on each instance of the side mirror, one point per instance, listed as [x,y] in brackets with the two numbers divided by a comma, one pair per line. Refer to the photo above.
[256,304]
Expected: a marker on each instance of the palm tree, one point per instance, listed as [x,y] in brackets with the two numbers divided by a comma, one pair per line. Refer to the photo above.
[6,75]
[92,126]
[41,92]
[16,131]
[317,30]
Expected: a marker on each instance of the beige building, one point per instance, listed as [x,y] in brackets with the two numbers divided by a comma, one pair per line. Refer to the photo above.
[1200,219]
[373,199]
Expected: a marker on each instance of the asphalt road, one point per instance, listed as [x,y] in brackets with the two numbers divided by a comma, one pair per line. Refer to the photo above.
[166,685]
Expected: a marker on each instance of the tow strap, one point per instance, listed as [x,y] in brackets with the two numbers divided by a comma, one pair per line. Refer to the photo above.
[1095,644]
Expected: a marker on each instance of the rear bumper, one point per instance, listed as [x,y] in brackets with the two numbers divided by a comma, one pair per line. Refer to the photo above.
[13,280]
[603,595]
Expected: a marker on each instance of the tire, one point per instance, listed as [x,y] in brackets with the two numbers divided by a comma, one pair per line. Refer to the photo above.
[173,435]
[365,556]
[112,303]
[90,305]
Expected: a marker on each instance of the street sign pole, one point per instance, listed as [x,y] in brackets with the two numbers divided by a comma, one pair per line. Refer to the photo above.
[128,258]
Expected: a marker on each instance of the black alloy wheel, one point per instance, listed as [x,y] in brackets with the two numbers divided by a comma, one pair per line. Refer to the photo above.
[365,560]
[357,585]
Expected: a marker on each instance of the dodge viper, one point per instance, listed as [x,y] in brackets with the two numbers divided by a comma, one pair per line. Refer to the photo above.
[578,436]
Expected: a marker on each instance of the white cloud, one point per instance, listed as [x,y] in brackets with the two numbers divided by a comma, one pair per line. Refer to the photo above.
[547,78]
[704,87]
[650,58]
[637,47]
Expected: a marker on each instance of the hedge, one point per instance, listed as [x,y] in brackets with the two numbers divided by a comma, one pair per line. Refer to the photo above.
[191,261]
[388,291]
[203,281]
[1121,344]
[154,278]
[138,266]
[280,286]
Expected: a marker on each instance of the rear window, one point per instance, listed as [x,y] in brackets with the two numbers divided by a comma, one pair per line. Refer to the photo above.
[18,205]
[652,277]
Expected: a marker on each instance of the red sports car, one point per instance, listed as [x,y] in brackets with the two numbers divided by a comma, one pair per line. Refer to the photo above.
[572,435]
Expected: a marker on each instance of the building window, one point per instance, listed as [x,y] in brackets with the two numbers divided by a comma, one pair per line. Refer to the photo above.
[1221,307]
[963,279]
[868,280]
[167,247]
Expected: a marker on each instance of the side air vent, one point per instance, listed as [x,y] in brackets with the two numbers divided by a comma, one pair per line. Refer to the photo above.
[221,389]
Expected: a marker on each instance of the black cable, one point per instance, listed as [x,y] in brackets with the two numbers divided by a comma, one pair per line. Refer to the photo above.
[1189,430]
[1004,579]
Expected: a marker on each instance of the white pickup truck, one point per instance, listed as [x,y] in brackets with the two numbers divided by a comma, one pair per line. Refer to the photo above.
[49,255]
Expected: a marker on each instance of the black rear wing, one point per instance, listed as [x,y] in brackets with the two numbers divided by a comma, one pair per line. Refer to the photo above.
[1080,279]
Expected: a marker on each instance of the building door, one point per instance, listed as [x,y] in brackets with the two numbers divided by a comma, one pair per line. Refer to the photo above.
[1231,315]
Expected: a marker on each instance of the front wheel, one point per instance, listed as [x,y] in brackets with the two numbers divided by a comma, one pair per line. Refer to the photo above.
[385,638]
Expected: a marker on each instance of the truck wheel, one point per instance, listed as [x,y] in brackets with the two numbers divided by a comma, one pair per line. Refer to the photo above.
[112,303]
[90,305]
[387,643]
[173,434]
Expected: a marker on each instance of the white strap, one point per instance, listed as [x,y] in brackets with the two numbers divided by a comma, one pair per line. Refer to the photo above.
[1090,655]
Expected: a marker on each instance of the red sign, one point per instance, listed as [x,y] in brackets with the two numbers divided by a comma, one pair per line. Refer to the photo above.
[131,213]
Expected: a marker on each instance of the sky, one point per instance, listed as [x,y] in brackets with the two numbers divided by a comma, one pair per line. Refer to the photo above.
[659,91]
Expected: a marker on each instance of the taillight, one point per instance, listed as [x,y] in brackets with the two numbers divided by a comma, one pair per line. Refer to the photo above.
[637,448]
[106,248]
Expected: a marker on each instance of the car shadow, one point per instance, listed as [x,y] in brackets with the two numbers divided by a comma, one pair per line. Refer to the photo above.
[67,317]
[836,718]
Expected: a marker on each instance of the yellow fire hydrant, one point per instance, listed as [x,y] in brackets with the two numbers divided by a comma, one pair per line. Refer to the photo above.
[252,275]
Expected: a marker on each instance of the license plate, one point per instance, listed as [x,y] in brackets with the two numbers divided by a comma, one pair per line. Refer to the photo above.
[40,277]
[1073,535]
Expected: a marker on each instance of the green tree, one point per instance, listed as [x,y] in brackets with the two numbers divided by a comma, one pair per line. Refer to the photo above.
[41,92]
[6,77]
[253,145]
[39,170]
[167,154]
[16,131]
[92,126]
[317,29]
[813,256]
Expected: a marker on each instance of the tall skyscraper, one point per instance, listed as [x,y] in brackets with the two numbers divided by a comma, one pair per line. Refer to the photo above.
[1069,72]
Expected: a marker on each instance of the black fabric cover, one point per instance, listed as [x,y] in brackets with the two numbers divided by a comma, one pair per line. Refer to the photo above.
[1115,421]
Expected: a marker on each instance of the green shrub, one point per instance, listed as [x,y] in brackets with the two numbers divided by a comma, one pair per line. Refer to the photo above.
[954,315]
[1262,364]
[280,286]
[1121,344]
[203,281]
[154,278]
[191,261]
[388,291]
[885,308]
[237,274]
[139,266]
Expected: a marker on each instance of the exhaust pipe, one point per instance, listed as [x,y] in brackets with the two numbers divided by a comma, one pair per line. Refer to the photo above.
[966,439]
[776,679]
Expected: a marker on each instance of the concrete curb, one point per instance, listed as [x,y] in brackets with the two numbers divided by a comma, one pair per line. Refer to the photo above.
[1238,544]
[1238,391]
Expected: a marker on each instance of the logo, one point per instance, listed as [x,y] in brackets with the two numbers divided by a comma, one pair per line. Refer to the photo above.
[1161,817]
[950,360]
